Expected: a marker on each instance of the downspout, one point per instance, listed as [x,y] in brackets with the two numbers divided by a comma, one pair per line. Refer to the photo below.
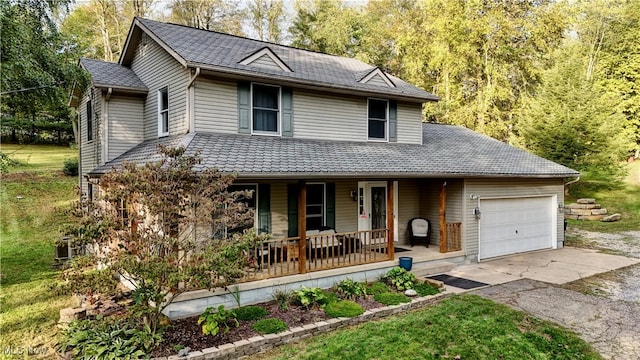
[191,94]
[566,185]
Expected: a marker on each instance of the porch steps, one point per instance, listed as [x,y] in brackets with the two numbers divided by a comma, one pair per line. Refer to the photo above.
[431,268]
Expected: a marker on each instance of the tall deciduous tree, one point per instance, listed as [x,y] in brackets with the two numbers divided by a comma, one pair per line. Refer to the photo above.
[327,26]
[480,56]
[218,15]
[266,18]
[571,120]
[38,69]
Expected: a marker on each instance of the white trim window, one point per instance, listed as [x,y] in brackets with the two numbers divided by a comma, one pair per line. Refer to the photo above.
[316,205]
[251,204]
[265,109]
[378,119]
[163,111]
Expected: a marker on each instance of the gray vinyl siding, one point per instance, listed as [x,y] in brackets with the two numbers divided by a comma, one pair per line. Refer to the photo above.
[497,188]
[346,208]
[378,81]
[90,151]
[279,223]
[328,117]
[409,123]
[408,207]
[125,127]
[265,61]
[157,69]
[216,106]
[430,198]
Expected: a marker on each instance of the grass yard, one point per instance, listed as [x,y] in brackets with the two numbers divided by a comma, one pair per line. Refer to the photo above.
[468,326]
[33,196]
[616,196]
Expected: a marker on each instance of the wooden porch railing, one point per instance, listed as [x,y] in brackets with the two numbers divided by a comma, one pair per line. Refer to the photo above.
[281,257]
[454,236]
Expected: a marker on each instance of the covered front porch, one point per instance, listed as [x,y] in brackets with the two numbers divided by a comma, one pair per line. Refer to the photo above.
[324,225]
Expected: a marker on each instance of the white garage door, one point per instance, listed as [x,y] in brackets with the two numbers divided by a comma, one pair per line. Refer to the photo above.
[509,226]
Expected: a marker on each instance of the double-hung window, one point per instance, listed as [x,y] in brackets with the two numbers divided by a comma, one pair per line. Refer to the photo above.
[163,111]
[378,116]
[265,104]
[89,121]
[316,204]
[250,202]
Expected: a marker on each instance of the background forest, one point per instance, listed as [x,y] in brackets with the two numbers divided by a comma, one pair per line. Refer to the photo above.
[558,78]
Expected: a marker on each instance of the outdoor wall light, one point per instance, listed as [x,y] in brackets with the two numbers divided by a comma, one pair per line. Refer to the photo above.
[476,212]
[561,207]
[354,195]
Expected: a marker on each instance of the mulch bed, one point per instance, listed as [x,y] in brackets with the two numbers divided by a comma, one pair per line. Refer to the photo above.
[187,333]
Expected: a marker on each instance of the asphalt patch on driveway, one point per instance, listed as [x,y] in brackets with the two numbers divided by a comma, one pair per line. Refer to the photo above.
[610,326]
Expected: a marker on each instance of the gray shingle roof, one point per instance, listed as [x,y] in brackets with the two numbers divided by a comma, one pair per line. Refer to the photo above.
[222,51]
[448,151]
[108,74]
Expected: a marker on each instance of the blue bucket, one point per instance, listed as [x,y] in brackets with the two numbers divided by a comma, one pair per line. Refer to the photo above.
[406,262]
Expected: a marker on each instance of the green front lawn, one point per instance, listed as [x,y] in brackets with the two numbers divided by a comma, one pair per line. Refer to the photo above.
[33,197]
[468,326]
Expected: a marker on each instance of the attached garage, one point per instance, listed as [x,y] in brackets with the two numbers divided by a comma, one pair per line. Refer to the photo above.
[516,225]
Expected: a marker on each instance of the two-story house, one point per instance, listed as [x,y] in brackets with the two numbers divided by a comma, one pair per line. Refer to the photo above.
[334,149]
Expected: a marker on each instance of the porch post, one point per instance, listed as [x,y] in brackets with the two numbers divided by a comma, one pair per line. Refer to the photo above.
[390,218]
[302,226]
[442,213]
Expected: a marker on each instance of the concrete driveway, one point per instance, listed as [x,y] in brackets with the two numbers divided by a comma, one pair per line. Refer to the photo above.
[532,283]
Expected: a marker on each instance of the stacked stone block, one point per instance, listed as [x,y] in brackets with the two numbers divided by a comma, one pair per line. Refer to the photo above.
[584,209]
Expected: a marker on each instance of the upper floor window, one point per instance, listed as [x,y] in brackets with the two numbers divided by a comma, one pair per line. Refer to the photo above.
[265,106]
[163,111]
[89,121]
[378,115]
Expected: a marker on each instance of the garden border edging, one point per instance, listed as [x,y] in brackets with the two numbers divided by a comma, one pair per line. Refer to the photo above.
[257,344]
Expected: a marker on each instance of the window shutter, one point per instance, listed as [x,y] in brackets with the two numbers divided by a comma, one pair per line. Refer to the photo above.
[331,205]
[287,112]
[244,107]
[264,208]
[292,209]
[393,121]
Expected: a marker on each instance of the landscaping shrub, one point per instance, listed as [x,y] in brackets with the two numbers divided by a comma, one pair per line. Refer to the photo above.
[391,298]
[250,313]
[212,320]
[400,278]
[343,308]
[107,339]
[309,297]
[350,289]
[70,167]
[283,298]
[378,288]
[424,289]
[269,326]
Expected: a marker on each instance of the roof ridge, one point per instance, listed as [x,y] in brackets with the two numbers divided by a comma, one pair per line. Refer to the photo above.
[259,41]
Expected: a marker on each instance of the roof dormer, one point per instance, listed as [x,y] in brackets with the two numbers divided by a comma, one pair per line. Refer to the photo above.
[377,77]
[266,58]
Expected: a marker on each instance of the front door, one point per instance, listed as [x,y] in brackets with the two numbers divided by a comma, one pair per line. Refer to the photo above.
[372,205]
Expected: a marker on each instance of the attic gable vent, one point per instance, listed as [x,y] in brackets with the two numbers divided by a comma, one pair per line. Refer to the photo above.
[377,77]
[265,58]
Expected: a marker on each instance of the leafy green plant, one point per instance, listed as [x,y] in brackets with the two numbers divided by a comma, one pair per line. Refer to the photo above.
[250,313]
[6,162]
[424,289]
[391,298]
[269,326]
[400,278]
[351,289]
[283,297]
[343,308]
[70,167]
[108,339]
[378,287]
[212,321]
[309,297]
